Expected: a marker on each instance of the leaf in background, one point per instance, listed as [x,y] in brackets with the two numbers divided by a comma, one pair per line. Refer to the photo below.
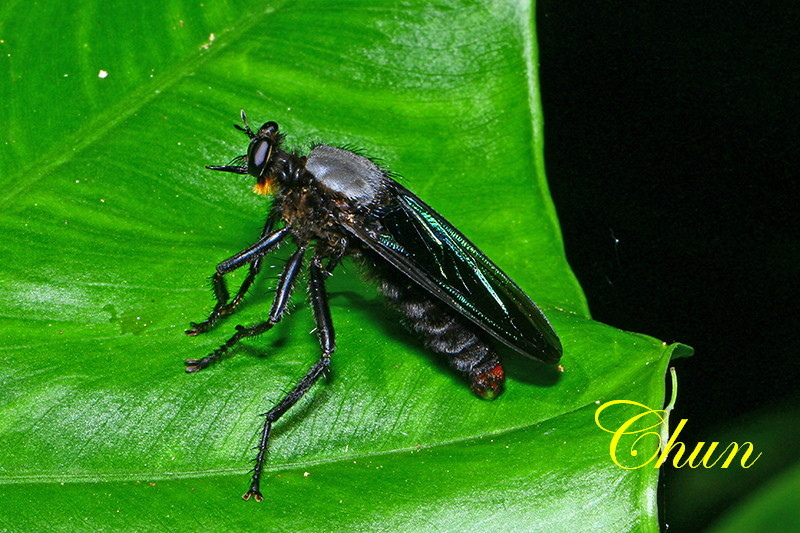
[736,498]
[111,227]
[774,503]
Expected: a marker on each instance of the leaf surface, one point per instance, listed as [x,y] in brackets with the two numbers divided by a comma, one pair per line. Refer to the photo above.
[112,226]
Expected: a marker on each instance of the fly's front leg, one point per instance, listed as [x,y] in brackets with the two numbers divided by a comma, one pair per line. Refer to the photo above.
[279,304]
[253,255]
[322,315]
[255,267]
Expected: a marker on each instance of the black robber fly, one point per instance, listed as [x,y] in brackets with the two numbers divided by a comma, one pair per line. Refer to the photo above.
[335,203]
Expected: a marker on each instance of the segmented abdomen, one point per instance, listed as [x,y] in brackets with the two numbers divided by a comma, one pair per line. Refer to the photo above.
[461,342]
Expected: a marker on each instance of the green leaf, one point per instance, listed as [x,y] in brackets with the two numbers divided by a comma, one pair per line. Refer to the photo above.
[778,502]
[111,227]
[738,498]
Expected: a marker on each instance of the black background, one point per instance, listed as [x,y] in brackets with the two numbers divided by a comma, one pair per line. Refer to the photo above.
[671,133]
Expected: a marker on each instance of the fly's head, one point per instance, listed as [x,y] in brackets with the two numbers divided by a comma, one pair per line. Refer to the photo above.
[262,159]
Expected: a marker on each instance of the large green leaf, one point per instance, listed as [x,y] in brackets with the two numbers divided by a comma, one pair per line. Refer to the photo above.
[775,503]
[111,227]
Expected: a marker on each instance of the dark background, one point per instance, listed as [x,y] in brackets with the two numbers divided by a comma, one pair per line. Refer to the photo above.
[671,133]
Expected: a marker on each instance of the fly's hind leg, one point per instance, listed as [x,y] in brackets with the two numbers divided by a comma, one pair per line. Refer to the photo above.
[322,315]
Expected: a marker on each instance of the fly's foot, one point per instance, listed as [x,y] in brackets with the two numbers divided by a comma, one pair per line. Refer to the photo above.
[198,328]
[255,493]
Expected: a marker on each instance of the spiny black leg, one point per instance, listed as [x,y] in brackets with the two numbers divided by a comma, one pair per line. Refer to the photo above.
[282,294]
[221,295]
[253,255]
[319,303]
[322,316]
[261,248]
[255,267]
[223,307]
[274,414]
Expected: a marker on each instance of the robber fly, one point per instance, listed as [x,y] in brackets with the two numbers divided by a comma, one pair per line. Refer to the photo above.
[334,203]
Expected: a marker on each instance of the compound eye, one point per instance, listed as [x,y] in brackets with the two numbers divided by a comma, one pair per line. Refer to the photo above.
[258,156]
[268,129]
